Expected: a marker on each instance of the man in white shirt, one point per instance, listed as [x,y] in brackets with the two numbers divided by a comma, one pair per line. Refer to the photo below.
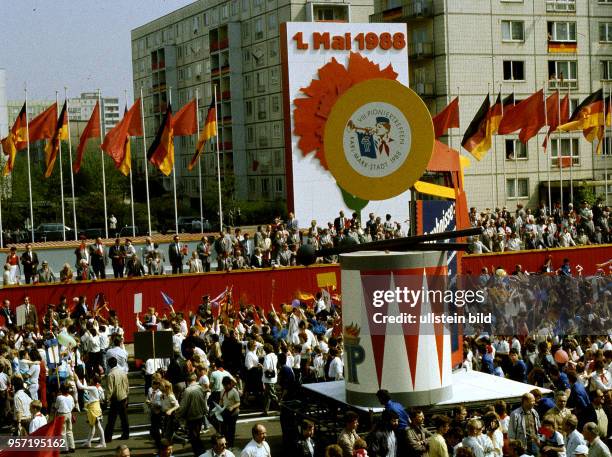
[219,447]
[64,404]
[118,353]
[574,437]
[336,367]
[258,446]
[21,406]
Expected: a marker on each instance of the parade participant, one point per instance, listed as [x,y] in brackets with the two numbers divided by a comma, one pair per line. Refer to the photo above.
[117,393]
[258,446]
[93,395]
[38,418]
[218,447]
[64,404]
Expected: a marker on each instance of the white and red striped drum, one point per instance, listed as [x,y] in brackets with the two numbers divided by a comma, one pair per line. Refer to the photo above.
[385,348]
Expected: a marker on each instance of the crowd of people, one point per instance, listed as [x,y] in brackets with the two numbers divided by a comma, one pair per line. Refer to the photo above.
[272,245]
[541,228]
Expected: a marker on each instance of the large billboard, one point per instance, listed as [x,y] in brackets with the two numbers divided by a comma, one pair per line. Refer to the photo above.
[328,102]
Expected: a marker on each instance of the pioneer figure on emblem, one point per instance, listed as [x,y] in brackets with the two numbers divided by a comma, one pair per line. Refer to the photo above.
[375,140]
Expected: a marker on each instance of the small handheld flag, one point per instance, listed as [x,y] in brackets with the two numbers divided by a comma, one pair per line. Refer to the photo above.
[167,300]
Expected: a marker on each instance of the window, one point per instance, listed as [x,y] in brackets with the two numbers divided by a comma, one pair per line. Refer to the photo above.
[224,12]
[515,149]
[272,22]
[274,76]
[570,154]
[252,185]
[247,82]
[276,131]
[514,70]
[265,186]
[259,28]
[562,69]
[245,5]
[607,146]
[257,4]
[196,24]
[260,82]
[523,187]
[606,69]
[605,32]
[560,5]
[249,108]
[246,55]
[250,134]
[278,185]
[275,102]
[234,8]
[278,158]
[261,109]
[206,19]
[562,31]
[273,49]
[513,31]
[246,31]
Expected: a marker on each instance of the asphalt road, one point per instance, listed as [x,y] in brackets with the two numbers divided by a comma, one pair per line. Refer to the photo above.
[141,444]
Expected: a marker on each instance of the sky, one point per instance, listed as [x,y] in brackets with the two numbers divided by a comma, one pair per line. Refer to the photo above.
[83,45]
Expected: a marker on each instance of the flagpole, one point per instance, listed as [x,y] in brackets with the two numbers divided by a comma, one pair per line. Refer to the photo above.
[59,141]
[559,155]
[131,185]
[548,155]
[218,160]
[514,149]
[173,171]
[199,164]
[571,142]
[102,132]
[504,154]
[25,90]
[146,170]
[606,109]
[70,157]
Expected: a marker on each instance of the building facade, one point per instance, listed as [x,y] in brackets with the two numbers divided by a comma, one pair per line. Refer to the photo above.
[231,48]
[469,48]
[80,109]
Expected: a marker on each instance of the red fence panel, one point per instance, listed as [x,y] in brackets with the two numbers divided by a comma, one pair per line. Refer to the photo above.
[259,287]
[585,256]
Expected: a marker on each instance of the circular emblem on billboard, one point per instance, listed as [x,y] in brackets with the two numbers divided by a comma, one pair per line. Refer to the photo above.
[378,139]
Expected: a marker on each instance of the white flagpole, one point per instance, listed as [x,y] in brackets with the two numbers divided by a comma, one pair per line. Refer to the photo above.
[131,185]
[547,155]
[173,172]
[102,133]
[25,90]
[144,148]
[218,159]
[606,109]
[71,172]
[559,152]
[199,163]
[504,157]
[571,142]
[61,178]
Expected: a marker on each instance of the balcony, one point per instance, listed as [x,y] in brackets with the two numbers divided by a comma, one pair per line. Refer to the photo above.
[262,142]
[227,145]
[214,46]
[425,90]
[562,47]
[421,49]
[555,84]
[561,6]
[223,44]
[226,95]
[416,9]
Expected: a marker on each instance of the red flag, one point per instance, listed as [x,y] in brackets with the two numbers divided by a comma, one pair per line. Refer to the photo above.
[447,118]
[184,122]
[565,162]
[51,430]
[116,141]
[15,141]
[92,130]
[528,116]
[43,126]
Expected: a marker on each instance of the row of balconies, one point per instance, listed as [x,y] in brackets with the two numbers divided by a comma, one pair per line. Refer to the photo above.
[412,9]
[219,45]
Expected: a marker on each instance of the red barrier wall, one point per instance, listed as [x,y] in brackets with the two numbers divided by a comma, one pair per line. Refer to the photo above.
[586,256]
[260,287]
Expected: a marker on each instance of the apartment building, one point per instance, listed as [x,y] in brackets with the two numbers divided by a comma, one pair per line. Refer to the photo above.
[231,47]
[469,48]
